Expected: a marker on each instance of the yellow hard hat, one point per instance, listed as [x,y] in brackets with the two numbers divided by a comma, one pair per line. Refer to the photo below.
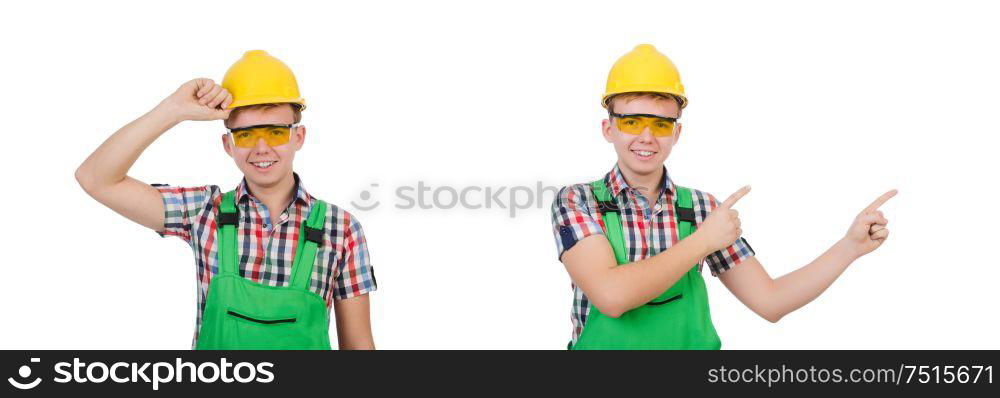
[644,69]
[259,78]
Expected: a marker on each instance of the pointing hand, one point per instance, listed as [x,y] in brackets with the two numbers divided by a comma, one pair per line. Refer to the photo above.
[722,227]
[869,231]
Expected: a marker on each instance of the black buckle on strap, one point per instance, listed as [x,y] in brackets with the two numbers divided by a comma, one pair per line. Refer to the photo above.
[607,206]
[229,218]
[314,235]
[685,214]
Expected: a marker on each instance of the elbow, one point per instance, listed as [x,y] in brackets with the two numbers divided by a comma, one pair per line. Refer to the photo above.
[83,178]
[89,180]
[766,311]
[609,307]
[613,312]
[772,317]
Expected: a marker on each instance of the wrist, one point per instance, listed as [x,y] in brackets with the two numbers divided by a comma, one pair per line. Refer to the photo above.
[167,113]
[698,241]
[845,249]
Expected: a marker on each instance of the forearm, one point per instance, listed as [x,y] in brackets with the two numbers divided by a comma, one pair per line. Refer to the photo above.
[615,289]
[635,284]
[110,162]
[797,288]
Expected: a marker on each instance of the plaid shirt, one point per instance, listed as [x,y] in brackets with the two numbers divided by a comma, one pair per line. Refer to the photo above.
[647,230]
[266,252]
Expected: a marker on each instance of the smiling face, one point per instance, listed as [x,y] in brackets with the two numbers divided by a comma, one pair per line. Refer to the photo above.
[643,154]
[263,165]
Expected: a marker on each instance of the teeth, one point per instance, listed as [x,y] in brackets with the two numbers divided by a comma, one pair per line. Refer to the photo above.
[644,153]
[263,165]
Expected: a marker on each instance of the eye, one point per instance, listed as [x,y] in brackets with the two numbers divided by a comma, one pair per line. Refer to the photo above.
[630,122]
[243,134]
[278,132]
[663,125]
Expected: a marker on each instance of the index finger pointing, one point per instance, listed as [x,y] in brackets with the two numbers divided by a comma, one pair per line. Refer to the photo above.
[881,200]
[735,197]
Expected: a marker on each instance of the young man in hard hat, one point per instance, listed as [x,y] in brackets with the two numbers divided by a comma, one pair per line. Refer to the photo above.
[272,260]
[634,241]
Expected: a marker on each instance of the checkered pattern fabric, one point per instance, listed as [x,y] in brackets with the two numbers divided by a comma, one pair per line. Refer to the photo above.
[266,252]
[647,230]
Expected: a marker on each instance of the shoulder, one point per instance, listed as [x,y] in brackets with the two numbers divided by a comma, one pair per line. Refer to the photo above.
[703,199]
[702,203]
[572,204]
[190,190]
[189,196]
[576,196]
[340,222]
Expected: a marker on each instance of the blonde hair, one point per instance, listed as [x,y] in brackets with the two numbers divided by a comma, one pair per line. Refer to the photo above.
[296,110]
[629,97]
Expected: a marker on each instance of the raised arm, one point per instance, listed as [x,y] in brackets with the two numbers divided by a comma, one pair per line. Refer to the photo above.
[772,299]
[615,289]
[104,175]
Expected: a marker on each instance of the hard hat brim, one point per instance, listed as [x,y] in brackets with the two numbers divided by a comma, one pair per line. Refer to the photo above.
[268,100]
[646,89]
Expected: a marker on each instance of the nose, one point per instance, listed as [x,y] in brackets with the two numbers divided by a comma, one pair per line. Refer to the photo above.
[646,135]
[261,145]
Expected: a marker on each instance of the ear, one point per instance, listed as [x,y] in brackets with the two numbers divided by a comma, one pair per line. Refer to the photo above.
[677,135]
[300,137]
[606,130]
[226,143]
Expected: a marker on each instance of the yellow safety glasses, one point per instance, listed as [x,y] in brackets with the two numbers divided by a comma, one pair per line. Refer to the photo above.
[273,135]
[635,123]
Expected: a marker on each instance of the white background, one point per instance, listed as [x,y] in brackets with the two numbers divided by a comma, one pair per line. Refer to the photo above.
[821,108]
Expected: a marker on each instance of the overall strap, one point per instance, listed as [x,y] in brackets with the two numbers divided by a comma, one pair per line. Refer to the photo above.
[310,237]
[226,222]
[611,218]
[684,211]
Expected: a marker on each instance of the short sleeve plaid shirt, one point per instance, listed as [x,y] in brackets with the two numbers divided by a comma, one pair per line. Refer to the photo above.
[647,229]
[266,252]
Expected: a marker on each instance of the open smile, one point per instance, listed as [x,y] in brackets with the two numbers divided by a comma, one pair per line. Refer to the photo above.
[643,154]
[263,165]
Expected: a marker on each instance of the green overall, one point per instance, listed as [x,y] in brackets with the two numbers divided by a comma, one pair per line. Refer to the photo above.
[244,315]
[678,319]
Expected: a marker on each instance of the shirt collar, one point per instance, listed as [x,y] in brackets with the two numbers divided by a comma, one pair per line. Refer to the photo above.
[617,184]
[300,191]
